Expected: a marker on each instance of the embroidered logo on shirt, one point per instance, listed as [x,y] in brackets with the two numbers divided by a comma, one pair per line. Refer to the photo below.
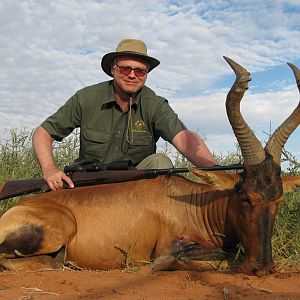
[139,125]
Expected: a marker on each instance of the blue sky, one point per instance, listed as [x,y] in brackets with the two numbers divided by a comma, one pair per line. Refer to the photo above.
[50,49]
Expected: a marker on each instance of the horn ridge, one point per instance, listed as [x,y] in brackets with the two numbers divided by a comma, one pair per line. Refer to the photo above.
[251,148]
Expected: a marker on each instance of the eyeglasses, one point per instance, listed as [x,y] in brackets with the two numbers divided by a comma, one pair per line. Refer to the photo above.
[127,70]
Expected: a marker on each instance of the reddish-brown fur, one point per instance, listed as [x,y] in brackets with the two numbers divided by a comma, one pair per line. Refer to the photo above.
[145,218]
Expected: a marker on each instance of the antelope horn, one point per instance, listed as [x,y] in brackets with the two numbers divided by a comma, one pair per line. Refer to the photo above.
[282,133]
[251,148]
[296,73]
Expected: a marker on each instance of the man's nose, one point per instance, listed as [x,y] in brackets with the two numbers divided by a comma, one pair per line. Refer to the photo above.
[131,74]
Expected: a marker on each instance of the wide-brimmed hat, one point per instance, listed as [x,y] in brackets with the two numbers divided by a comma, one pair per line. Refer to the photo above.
[128,47]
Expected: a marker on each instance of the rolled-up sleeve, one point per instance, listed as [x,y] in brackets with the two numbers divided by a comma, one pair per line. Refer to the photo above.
[65,120]
[166,121]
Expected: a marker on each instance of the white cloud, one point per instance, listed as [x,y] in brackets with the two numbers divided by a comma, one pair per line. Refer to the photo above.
[50,49]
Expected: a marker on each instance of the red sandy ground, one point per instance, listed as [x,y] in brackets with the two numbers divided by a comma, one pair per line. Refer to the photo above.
[143,284]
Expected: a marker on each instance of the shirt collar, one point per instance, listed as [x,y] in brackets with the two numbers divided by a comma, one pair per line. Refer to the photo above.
[110,94]
[111,98]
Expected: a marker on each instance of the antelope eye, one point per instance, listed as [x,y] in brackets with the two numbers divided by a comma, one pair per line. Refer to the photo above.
[244,197]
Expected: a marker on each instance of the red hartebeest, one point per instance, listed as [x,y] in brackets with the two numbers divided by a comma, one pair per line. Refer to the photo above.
[170,218]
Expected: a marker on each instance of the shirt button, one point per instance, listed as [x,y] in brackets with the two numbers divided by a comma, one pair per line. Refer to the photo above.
[118,131]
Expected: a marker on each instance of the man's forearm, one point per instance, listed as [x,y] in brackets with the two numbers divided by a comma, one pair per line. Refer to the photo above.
[193,148]
[42,146]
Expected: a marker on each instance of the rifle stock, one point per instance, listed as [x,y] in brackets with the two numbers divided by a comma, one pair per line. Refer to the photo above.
[14,188]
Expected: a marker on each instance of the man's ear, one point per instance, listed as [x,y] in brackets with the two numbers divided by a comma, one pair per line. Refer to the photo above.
[290,183]
[112,70]
[220,180]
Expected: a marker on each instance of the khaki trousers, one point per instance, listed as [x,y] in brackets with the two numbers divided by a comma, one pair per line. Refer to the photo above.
[155,161]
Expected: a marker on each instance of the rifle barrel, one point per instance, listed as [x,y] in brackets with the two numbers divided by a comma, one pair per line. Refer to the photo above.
[113,176]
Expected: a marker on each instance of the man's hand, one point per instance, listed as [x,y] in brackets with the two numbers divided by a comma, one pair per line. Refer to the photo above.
[55,179]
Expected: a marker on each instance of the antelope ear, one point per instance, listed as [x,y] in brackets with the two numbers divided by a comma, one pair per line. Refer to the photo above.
[290,183]
[220,180]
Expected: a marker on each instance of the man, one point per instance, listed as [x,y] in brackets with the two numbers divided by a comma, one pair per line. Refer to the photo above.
[121,119]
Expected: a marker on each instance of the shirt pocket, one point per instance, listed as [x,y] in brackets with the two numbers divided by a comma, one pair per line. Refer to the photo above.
[94,143]
[141,146]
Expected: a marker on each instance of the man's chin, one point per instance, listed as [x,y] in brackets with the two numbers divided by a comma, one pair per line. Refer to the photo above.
[131,90]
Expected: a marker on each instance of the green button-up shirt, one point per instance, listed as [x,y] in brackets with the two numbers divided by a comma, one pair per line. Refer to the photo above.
[107,133]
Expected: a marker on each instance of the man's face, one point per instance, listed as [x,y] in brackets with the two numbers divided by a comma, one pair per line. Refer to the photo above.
[133,81]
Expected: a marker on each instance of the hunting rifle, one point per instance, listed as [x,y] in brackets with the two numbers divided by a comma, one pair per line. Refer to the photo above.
[96,173]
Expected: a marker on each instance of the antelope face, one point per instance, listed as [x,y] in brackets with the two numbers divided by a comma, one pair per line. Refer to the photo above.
[259,196]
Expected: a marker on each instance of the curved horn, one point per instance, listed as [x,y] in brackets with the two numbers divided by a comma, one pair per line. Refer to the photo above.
[282,133]
[252,150]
